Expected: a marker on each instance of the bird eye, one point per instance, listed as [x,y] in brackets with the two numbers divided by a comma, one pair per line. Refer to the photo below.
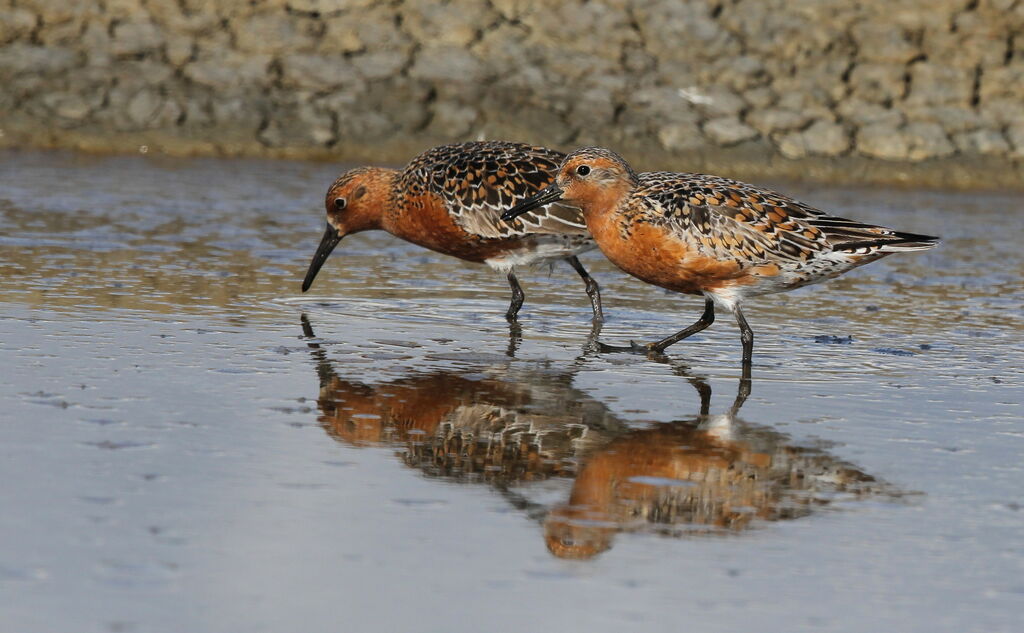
[583,170]
[339,203]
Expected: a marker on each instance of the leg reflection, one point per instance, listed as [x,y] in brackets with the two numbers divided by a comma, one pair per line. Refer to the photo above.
[515,338]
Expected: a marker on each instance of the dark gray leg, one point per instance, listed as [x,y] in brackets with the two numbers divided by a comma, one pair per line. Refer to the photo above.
[517,297]
[593,290]
[746,335]
[744,390]
[702,323]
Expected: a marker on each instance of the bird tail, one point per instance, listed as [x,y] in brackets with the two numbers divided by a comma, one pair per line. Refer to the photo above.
[895,242]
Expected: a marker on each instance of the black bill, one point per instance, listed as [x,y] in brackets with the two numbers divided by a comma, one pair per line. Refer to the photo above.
[327,244]
[544,197]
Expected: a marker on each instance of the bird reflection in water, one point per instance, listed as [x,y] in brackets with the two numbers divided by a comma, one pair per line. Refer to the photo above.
[508,424]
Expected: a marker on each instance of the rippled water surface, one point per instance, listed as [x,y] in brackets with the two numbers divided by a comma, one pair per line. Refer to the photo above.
[188,443]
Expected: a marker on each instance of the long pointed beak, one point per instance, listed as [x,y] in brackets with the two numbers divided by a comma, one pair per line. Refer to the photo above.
[545,196]
[327,244]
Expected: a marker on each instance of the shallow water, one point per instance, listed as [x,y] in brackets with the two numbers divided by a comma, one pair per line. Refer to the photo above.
[189,444]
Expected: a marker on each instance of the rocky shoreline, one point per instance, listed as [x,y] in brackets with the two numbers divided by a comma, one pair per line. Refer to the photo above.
[922,92]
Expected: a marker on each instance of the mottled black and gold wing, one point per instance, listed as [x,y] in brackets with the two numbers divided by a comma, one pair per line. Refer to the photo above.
[479,181]
[728,219]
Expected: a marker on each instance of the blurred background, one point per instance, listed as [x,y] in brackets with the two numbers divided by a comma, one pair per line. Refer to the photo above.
[915,91]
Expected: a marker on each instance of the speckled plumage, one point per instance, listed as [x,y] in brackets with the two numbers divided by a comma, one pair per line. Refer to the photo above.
[479,181]
[757,230]
[711,236]
[450,199]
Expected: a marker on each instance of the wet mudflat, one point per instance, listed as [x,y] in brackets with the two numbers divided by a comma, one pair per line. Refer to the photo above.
[187,443]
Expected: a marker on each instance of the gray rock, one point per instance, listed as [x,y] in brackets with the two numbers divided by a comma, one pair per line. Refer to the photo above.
[328,6]
[791,33]
[927,140]
[802,98]
[16,23]
[933,83]
[761,97]
[821,81]
[883,41]
[772,120]
[274,33]
[822,138]
[179,49]
[912,15]
[142,108]
[877,83]
[122,9]
[239,112]
[71,107]
[637,61]
[131,74]
[593,108]
[574,67]
[677,137]
[952,118]
[136,37]
[453,121]
[556,19]
[26,58]
[862,113]
[729,131]
[658,112]
[738,73]
[95,40]
[318,72]
[362,125]
[674,30]
[503,119]
[55,11]
[64,33]
[1001,111]
[714,101]
[1003,82]
[1015,134]
[455,24]
[447,63]
[197,111]
[881,140]
[403,101]
[231,71]
[983,141]
[304,126]
[379,65]
[375,31]
[661,105]
[177,16]
[968,47]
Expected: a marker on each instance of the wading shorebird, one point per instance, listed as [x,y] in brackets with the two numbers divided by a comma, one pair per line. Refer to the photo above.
[450,199]
[711,236]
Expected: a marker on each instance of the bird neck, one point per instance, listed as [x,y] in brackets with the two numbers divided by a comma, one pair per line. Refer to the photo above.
[382,193]
[600,204]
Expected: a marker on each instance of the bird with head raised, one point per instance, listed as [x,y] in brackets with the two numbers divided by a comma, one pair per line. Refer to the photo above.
[705,235]
[450,200]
